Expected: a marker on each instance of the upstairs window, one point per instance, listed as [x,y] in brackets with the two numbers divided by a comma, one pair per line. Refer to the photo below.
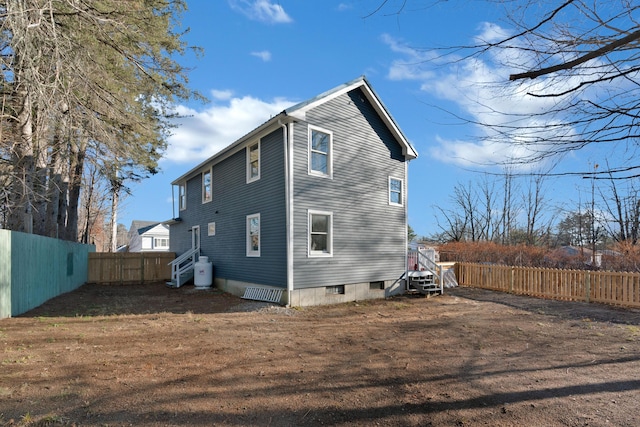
[253,235]
[320,152]
[253,162]
[182,197]
[207,194]
[320,233]
[160,243]
[395,191]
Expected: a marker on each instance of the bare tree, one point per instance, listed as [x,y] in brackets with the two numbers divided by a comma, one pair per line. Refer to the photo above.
[582,59]
[581,56]
[486,209]
[622,205]
[534,204]
[497,211]
[509,208]
[452,225]
[94,202]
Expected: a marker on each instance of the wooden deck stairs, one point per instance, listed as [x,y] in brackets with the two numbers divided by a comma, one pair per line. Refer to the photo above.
[426,276]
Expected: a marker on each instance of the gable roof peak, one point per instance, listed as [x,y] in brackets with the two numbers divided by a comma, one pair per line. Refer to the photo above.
[299,110]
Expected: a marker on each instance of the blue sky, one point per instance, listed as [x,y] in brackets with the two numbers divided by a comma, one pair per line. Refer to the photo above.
[261,56]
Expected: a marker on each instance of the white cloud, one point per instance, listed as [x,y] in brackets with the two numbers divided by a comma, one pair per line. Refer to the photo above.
[261,10]
[411,66]
[491,33]
[479,89]
[464,153]
[201,134]
[265,55]
[477,153]
[221,95]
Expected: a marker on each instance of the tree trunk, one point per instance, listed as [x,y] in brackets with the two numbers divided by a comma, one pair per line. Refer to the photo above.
[113,222]
[75,185]
[40,184]
[54,190]
[20,216]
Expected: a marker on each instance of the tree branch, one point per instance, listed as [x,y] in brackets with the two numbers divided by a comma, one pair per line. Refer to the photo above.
[580,60]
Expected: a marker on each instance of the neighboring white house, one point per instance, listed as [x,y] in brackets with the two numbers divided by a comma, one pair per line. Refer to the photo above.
[148,236]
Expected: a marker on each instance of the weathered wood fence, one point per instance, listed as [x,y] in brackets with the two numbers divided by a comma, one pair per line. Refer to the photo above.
[606,287]
[129,267]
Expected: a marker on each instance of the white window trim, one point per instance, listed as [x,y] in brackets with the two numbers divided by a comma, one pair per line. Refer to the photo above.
[250,251]
[329,173]
[211,229]
[158,246]
[401,191]
[210,172]
[182,196]
[147,242]
[248,154]
[320,254]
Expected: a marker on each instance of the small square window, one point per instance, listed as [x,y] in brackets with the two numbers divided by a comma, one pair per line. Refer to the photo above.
[211,229]
[395,191]
[207,193]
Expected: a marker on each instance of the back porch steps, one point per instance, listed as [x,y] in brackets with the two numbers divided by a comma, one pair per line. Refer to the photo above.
[184,278]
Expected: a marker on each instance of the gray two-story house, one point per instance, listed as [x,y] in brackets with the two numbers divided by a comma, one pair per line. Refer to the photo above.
[313,202]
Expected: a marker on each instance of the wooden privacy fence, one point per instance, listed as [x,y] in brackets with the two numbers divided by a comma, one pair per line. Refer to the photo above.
[129,267]
[618,288]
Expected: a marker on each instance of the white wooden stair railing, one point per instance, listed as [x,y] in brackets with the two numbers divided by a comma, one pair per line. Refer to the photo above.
[420,261]
[182,267]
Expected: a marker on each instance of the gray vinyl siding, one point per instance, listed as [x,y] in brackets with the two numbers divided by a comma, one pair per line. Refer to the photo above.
[368,233]
[233,200]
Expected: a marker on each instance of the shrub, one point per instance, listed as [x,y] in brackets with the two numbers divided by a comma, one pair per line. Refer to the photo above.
[621,257]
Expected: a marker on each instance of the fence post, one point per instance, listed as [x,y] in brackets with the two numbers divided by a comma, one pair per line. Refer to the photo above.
[142,267]
[587,287]
[120,258]
[513,273]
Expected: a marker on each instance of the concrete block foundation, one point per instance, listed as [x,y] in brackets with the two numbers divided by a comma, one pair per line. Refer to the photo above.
[322,295]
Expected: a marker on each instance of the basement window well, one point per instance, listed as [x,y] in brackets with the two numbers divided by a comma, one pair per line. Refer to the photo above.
[375,286]
[335,290]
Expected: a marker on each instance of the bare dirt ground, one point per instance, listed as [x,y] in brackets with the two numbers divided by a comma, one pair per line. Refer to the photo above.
[152,356]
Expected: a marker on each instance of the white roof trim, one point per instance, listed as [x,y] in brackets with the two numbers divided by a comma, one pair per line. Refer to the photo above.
[299,112]
[262,130]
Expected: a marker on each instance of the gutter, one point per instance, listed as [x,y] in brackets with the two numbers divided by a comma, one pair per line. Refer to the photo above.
[263,129]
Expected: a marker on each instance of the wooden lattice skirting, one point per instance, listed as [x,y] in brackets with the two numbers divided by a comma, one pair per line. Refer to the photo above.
[263,294]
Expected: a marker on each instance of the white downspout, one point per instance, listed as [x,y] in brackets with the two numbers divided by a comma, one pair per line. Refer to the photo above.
[173,204]
[406,225]
[288,167]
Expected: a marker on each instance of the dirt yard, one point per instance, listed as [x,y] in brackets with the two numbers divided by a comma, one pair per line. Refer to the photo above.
[152,356]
